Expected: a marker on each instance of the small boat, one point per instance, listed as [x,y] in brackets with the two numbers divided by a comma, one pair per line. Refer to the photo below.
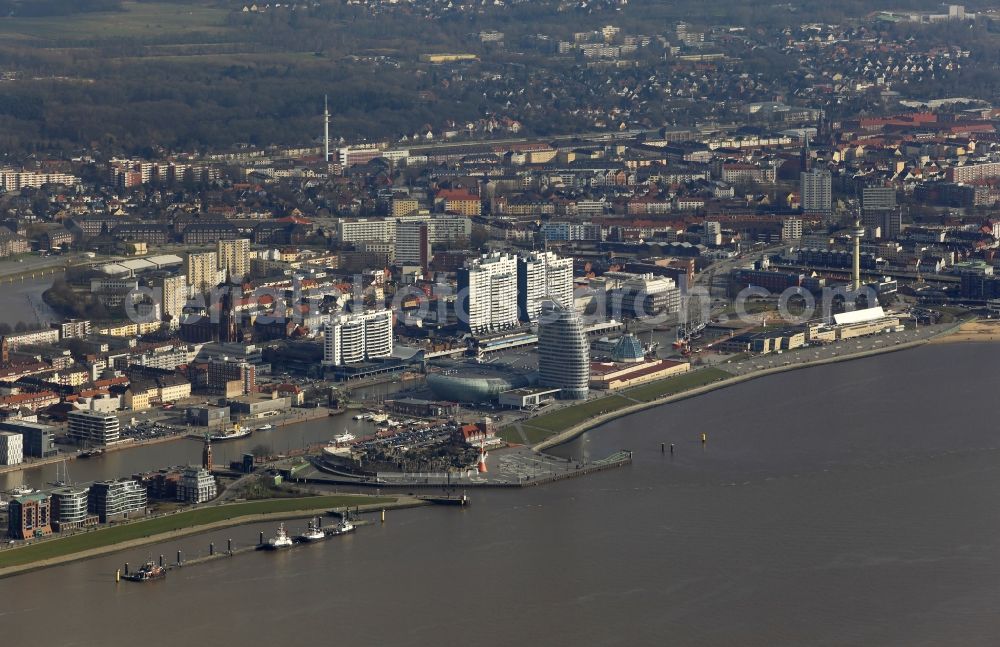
[149,571]
[266,427]
[280,540]
[314,532]
[90,453]
[358,417]
[345,526]
[21,490]
[345,437]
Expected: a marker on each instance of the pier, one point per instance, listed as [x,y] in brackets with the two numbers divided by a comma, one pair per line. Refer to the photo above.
[232,550]
[512,468]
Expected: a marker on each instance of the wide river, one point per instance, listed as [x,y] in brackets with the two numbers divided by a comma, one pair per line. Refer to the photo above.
[851,504]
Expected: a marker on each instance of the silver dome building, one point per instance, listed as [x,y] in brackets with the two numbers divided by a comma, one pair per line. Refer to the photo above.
[563,351]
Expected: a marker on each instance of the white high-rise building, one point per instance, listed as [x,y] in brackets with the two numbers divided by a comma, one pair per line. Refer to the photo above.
[413,244]
[713,232]
[234,257]
[487,288]
[816,191]
[202,269]
[541,276]
[879,212]
[174,296]
[563,351]
[353,338]
[11,448]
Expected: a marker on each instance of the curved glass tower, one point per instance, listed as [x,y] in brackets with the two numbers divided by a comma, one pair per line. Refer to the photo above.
[563,352]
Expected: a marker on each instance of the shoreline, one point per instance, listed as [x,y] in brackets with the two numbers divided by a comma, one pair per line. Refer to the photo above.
[185,435]
[583,427]
[10,571]
[975,331]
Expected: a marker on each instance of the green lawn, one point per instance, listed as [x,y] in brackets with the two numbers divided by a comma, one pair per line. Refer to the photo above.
[535,435]
[549,424]
[118,534]
[673,385]
[510,434]
[577,413]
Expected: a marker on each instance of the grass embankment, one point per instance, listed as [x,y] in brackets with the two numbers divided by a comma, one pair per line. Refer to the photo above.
[538,429]
[61,547]
[577,413]
[675,385]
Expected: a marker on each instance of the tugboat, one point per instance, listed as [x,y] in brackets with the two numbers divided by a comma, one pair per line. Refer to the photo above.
[149,571]
[280,540]
[345,526]
[313,533]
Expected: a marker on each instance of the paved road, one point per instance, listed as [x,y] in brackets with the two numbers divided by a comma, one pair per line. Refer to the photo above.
[828,351]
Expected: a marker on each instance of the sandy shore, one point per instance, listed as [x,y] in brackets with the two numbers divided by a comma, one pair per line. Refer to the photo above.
[979,331]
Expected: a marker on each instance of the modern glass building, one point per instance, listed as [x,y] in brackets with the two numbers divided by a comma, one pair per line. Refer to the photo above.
[116,500]
[563,351]
[69,508]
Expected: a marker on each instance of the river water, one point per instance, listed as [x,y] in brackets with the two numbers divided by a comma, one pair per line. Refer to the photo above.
[850,504]
[23,303]
[186,451]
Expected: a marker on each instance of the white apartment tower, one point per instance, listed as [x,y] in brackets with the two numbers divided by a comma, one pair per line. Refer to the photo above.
[487,288]
[816,192]
[234,257]
[174,294]
[202,270]
[413,245]
[353,338]
[541,276]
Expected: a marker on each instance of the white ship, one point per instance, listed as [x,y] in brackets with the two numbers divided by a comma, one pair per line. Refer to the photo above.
[238,431]
[345,526]
[345,437]
[314,532]
[280,540]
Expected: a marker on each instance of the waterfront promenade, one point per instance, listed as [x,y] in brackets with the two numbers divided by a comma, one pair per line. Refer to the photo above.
[750,368]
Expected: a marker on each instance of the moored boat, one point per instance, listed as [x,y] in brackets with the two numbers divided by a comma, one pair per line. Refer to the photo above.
[280,539]
[345,526]
[149,571]
[314,532]
[238,431]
